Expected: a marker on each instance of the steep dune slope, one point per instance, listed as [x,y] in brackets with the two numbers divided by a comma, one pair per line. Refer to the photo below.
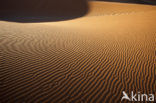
[91,59]
[46,7]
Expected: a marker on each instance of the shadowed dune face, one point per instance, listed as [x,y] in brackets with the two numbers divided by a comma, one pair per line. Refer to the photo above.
[150,1]
[62,9]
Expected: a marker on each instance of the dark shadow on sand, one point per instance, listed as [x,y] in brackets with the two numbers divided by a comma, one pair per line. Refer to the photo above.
[27,11]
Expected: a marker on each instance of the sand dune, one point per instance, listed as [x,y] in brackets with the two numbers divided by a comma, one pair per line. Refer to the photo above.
[46,7]
[42,10]
[132,1]
[91,59]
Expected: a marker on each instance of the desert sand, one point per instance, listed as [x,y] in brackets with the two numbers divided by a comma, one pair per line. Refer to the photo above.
[44,7]
[90,59]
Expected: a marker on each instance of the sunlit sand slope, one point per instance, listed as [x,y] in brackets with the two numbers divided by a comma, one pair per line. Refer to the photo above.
[85,60]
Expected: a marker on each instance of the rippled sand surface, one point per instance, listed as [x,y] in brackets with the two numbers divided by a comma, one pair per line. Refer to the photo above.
[91,59]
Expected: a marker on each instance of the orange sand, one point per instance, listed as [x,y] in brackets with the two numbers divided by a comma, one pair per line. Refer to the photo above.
[91,59]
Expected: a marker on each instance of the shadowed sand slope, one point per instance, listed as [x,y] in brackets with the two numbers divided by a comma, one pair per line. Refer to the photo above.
[42,10]
[85,60]
[44,6]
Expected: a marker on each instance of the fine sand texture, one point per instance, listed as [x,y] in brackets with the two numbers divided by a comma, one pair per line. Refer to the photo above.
[91,59]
